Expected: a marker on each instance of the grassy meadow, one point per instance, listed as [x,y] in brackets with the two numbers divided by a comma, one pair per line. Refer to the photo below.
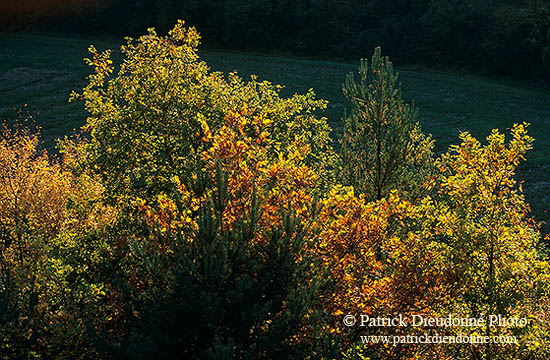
[37,74]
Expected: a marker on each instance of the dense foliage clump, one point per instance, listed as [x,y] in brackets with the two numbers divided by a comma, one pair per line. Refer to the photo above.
[199,216]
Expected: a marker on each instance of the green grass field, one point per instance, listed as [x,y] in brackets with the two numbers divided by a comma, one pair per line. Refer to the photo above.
[37,74]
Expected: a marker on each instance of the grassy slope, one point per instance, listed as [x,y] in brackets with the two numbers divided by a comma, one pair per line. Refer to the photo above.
[41,71]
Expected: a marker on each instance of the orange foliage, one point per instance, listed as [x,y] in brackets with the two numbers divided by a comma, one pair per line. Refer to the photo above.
[285,183]
[379,269]
[32,191]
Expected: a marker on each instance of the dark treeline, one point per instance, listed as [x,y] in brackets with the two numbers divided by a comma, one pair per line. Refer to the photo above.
[509,37]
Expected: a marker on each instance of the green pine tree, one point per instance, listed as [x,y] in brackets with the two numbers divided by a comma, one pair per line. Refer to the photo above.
[220,296]
[383,147]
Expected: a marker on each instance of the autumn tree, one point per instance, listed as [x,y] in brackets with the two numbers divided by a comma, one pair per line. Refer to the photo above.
[494,242]
[383,263]
[225,271]
[51,252]
[201,153]
[147,122]
[31,211]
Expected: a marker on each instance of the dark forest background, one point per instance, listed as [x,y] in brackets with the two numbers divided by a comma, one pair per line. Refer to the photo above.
[504,37]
